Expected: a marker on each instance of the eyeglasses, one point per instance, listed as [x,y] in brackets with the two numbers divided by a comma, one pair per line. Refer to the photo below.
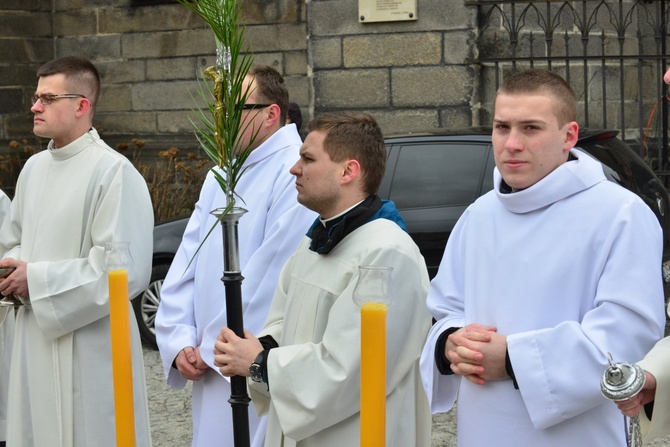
[48,99]
[252,106]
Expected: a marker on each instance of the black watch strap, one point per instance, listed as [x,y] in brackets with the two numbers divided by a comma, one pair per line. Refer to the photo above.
[258,369]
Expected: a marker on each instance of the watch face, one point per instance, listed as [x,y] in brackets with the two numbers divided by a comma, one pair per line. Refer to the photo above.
[255,372]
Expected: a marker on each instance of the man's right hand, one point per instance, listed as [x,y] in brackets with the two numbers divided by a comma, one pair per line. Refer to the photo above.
[635,404]
[190,365]
[460,350]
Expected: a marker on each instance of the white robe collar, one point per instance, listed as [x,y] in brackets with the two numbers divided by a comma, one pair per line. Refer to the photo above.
[569,178]
[72,149]
[280,140]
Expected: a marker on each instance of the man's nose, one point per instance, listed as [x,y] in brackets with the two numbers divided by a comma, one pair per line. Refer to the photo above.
[514,142]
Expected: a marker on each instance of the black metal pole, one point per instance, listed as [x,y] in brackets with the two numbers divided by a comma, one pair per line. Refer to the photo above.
[232,281]
[239,399]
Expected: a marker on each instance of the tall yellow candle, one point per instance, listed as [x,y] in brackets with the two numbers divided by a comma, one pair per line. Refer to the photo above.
[121,358]
[373,374]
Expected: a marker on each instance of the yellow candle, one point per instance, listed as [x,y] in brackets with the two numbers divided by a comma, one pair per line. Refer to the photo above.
[373,375]
[121,357]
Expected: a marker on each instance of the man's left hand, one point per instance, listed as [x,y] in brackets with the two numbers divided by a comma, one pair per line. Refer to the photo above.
[234,355]
[17,281]
[491,345]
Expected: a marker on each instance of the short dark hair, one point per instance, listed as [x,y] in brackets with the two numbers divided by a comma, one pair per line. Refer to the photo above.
[354,135]
[80,75]
[270,88]
[295,115]
[543,81]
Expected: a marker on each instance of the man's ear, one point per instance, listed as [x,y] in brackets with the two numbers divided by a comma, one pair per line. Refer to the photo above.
[571,134]
[84,106]
[352,171]
[273,114]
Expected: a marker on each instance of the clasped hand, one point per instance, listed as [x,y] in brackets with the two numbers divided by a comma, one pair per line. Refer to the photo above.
[477,352]
[190,364]
[233,355]
[17,281]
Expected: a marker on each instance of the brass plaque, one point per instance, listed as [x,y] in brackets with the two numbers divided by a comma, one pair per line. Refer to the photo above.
[386,10]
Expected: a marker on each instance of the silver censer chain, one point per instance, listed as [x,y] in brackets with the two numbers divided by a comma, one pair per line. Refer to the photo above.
[622,381]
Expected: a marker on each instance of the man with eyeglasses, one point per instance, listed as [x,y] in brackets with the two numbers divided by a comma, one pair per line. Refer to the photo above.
[70,200]
[192,308]
[304,368]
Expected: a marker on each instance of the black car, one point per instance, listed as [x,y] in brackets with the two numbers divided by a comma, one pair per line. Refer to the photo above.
[167,237]
[433,177]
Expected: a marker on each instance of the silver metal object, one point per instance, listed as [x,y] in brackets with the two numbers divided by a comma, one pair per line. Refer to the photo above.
[11,300]
[231,249]
[622,381]
[232,280]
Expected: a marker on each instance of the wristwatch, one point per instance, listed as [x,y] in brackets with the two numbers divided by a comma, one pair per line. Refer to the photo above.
[256,368]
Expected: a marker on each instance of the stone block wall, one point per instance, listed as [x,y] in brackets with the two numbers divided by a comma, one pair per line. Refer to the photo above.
[409,75]
[149,58]
[26,40]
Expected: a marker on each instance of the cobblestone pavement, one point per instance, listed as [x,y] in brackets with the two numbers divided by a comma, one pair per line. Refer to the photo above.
[170,412]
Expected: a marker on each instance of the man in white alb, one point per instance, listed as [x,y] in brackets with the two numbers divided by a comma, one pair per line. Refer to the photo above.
[542,278]
[192,308]
[70,200]
[304,370]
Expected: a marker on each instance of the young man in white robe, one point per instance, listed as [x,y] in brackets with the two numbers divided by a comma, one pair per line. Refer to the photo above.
[70,200]
[654,397]
[306,362]
[6,339]
[192,308]
[541,279]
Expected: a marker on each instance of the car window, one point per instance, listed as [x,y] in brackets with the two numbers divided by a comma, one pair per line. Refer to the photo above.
[438,174]
[487,182]
[631,172]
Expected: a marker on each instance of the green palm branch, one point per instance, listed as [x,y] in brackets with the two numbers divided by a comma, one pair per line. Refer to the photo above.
[219,124]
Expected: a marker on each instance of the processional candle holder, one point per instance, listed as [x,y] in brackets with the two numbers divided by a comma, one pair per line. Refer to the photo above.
[373,294]
[622,381]
[232,281]
[220,131]
[117,261]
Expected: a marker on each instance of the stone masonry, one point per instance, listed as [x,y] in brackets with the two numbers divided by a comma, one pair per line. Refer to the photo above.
[410,75]
[150,56]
